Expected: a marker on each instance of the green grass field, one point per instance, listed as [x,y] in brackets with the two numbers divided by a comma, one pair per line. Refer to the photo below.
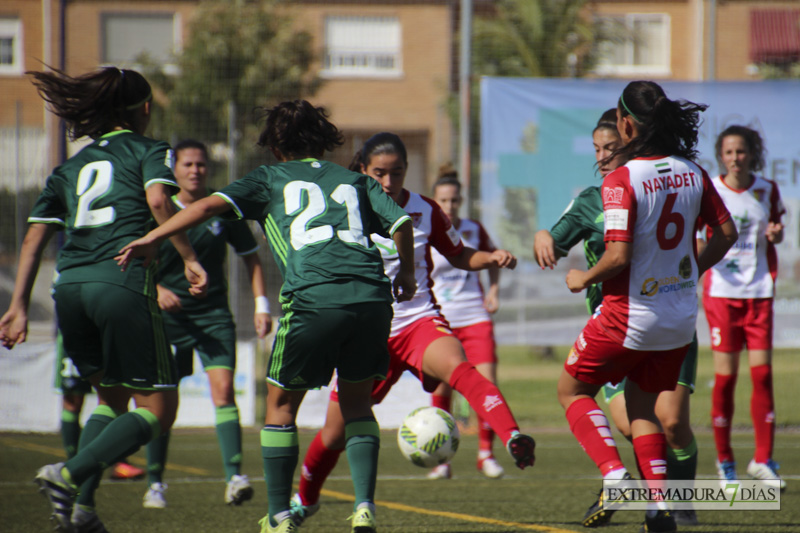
[552,496]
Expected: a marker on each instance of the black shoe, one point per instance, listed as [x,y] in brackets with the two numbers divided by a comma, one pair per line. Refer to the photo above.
[686,517]
[661,522]
[597,515]
[522,449]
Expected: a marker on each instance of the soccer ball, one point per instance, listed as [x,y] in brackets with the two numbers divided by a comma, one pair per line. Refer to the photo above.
[428,437]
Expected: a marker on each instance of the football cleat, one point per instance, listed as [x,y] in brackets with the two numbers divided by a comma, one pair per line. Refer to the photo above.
[287,525]
[440,472]
[490,468]
[597,515]
[726,471]
[661,522]
[300,511]
[522,447]
[84,521]
[765,471]
[59,493]
[155,497]
[238,490]
[686,517]
[364,520]
[124,471]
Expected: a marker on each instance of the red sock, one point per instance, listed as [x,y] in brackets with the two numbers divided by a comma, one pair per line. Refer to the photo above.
[590,426]
[317,466]
[485,399]
[485,436]
[441,401]
[651,456]
[762,410]
[722,414]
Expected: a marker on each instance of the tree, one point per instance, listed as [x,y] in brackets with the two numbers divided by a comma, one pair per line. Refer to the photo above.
[247,54]
[552,38]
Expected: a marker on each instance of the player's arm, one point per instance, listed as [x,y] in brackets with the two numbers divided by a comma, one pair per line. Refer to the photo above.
[14,323]
[544,249]
[472,259]
[262,319]
[167,300]
[722,238]
[189,217]
[163,209]
[405,284]
[616,258]
[491,301]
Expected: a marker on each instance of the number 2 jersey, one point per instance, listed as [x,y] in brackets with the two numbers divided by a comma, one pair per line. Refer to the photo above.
[98,196]
[654,204]
[432,228]
[750,266]
[459,292]
[317,217]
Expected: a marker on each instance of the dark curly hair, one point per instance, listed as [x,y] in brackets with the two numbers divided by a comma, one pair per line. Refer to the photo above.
[755,146]
[297,129]
[95,103]
[664,126]
[378,144]
[607,121]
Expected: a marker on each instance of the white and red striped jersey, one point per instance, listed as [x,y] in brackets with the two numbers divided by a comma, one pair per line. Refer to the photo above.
[750,267]
[432,228]
[654,204]
[459,292]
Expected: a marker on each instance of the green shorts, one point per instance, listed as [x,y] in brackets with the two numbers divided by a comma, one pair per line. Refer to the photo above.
[687,377]
[212,334]
[115,330]
[311,343]
[67,379]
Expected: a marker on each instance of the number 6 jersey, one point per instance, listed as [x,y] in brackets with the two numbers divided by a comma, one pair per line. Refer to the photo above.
[654,204]
[317,217]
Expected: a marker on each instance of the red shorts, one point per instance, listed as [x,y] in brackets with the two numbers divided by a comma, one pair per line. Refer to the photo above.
[598,359]
[735,322]
[405,353]
[478,342]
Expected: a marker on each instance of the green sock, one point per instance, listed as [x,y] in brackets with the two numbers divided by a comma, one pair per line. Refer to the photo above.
[157,458]
[101,417]
[229,435]
[682,463]
[362,446]
[70,432]
[280,451]
[122,437]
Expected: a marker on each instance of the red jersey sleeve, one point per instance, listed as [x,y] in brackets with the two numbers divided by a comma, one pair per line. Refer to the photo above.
[619,206]
[444,237]
[485,243]
[712,209]
[777,209]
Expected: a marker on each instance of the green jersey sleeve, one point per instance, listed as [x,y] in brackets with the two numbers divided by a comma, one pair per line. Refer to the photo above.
[49,207]
[158,164]
[241,238]
[249,196]
[580,220]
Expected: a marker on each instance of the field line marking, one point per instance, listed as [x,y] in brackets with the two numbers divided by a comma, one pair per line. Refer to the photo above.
[447,514]
[58,452]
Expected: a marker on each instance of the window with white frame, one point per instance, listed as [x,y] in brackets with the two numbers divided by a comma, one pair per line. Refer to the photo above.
[11,63]
[362,47]
[635,43]
[126,36]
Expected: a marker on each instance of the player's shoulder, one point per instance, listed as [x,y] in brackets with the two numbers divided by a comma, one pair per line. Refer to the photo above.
[589,194]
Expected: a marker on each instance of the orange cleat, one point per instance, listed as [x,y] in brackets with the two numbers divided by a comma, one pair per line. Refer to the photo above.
[125,471]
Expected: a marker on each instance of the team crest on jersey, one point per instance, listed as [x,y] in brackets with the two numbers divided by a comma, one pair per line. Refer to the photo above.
[573,357]
[416,219]
[215,228]
[759,194]
[466,235]
[613,196]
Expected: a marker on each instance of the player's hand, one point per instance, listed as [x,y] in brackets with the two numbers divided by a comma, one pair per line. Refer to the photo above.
[404,286]
[544,249]
[13,327]
[492,301]
[167,300]
[139,248]
[263,323]
[504,259]
[774,232]
[197,277]
[575,281]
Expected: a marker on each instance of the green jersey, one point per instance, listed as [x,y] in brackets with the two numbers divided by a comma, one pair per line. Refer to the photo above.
[317,217]
[210,242]
[583,221]
[98,195]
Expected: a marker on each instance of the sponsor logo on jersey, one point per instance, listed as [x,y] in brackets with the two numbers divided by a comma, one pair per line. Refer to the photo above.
[581,342]
[616,219]
[733,265]
[572,358]
[215,228]
[316,164]
[652,286]
[613,196]
[685,267]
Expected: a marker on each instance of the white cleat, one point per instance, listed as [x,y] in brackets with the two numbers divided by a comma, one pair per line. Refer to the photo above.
[490,468]
[238,490]
[155,497]
[441,472]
